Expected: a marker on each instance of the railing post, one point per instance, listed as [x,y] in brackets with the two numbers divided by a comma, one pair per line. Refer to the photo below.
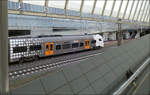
[4,82]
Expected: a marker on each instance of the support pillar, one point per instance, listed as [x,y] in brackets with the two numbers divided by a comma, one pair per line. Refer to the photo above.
[4,82]
[119,34]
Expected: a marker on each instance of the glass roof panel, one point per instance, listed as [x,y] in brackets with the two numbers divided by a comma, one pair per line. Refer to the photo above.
[13,0]
[134,9]
[128,9]
[123,8]
[74,5]
[147,16]
[57,3]
[144,13]
[87,6]
[99,7]
[34,2]
[137,10]
[142,9]
[116,8]
[108,8]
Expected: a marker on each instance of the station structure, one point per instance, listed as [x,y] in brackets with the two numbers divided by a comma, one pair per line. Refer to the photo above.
[126,22]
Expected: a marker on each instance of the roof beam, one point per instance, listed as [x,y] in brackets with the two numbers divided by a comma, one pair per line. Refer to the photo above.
[125,9]
[66,5]
[94,5]
[112,9]
[139,10]
[81,7]
[119,8]
[70,17]
[143,11]
[104,7]
[135,10]
[131,9]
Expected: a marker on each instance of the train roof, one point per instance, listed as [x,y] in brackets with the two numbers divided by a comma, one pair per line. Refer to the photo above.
[55,37]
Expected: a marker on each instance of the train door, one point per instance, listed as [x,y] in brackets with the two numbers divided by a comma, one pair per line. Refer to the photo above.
[49,49]
[87,44]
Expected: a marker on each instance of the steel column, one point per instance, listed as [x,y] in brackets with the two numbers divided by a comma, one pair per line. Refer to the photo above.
[125,9]
[4,81]
[143,11]
[119,8]
[112,9]
[119,33]
[66,5]
[131,9]
[46,6]
[93,9]
[139,10]
[81,7]
[20,6]
[104,7]
[135,10]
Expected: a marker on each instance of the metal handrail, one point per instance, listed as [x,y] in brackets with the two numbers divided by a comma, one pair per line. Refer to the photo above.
[129,81]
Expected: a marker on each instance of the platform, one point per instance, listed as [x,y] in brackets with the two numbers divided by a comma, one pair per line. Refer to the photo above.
[100,74]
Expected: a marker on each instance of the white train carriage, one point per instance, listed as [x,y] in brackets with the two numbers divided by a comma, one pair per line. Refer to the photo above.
[24,48]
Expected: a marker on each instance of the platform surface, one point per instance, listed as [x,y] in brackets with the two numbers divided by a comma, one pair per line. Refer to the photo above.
[100,74]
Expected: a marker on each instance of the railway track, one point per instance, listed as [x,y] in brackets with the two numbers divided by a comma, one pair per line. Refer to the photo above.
[47,64]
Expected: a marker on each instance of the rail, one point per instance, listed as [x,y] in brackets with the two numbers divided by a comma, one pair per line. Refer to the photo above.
[129,81]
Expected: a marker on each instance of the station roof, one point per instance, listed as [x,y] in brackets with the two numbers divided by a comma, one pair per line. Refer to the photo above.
[129,11]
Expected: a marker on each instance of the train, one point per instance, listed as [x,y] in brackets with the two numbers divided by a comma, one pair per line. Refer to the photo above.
[26,48]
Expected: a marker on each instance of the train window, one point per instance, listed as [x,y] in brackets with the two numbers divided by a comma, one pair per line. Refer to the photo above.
[35,47]
[20,49]
[51,47]
[58,47]
[93,41]
[47,47]
[66,46]
[100,40]
[81,44]
[74,45]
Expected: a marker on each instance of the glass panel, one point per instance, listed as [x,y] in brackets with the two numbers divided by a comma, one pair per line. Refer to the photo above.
[88,5]
[57,3]
[142,10]
[147,15]
[47,47]
[137,10]
[128,9]
[134,9]
[13,0]
[99,7]
[116,8]
[51,46]
[35,2]
[108,8]
[74,5]
[81,44]
[58,47]
[124,3]
[145,10]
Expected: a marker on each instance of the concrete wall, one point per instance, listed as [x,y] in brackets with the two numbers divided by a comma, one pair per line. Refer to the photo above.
[100,74]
